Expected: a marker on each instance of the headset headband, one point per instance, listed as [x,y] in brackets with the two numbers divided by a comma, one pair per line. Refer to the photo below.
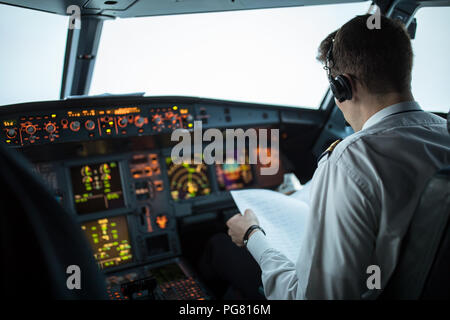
[329,59]
[340,86]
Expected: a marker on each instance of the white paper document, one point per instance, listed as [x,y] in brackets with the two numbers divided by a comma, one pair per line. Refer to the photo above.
[283,218]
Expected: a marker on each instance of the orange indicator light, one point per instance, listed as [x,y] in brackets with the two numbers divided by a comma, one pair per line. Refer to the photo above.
[161,221]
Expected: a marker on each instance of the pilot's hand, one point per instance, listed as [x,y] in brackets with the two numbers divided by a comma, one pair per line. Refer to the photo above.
[239,224]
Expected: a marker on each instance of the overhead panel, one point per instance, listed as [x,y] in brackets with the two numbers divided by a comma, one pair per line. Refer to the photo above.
[141,8]
[104,5]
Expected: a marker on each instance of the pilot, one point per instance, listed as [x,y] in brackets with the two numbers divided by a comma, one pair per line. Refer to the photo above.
[365,188]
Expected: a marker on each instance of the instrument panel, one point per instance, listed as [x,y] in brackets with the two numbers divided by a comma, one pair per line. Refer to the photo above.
[145,193]
[94,123]
[121,203]
[128,201]
[97,118]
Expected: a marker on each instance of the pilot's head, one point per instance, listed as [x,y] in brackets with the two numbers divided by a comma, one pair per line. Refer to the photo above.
[368,69]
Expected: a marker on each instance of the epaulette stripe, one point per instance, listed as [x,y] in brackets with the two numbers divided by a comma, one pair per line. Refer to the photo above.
[329,150]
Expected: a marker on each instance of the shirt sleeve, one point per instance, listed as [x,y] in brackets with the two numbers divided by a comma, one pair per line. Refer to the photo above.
[337,246]
[278,272]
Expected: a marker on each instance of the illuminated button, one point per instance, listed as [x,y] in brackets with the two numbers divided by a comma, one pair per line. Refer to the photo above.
[90,125]
[11,132]
[75,125]
[161,221]
[189,118]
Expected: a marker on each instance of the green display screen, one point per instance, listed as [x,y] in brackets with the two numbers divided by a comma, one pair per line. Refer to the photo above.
[97,187]
[109,240]
[187,180]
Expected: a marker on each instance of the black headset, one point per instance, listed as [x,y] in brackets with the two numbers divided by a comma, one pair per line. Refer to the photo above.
[340,86]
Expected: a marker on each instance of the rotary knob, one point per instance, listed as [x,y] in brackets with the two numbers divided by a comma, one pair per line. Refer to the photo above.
[139,121]
[11,133]
[75,125]
[157,120]
[50,127]
[90,125]
[30,129]
[123,121]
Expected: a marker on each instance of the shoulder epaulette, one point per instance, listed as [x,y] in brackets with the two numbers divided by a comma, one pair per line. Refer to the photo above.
[330,149]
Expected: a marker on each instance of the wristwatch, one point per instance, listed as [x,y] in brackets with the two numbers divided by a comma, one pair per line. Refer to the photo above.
[249,230]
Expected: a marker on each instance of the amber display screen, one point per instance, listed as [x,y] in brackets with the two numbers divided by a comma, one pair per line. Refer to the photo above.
[234,175]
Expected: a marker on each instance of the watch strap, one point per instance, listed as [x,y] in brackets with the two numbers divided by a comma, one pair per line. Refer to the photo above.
[250,229]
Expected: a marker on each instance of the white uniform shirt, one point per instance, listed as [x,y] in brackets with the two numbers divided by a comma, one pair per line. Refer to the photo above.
[362,199]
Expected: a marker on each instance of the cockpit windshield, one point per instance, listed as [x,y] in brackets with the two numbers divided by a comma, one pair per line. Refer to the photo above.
[430,73]
[262,56]
[32,54]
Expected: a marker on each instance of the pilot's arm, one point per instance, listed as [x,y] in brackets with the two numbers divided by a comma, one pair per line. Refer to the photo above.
[338,245]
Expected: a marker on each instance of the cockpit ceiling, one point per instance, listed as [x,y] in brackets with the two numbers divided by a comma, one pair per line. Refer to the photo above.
[141,8]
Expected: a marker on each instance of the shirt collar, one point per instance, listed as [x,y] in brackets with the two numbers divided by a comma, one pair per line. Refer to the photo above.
[392,109]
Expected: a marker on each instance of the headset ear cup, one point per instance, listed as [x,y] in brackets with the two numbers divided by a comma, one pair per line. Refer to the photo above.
[334,88]
[344,88]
